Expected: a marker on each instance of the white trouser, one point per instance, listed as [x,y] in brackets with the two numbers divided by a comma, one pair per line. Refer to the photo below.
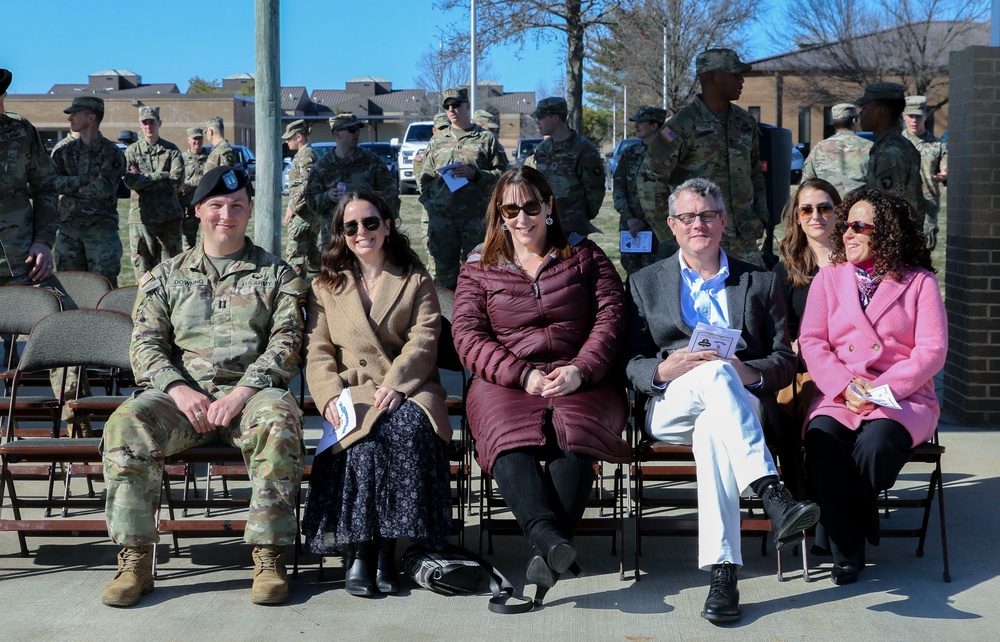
[708,408]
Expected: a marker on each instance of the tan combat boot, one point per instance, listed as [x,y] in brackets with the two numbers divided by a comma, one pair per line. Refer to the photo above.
[270,580]
[133,579]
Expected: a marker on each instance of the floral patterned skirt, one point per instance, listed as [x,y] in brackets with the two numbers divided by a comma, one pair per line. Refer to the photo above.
[393,483]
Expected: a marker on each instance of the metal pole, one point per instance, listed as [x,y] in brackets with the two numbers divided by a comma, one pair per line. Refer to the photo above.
[267,124]
[614,124]
[472,45]
[625,111]
[664,65]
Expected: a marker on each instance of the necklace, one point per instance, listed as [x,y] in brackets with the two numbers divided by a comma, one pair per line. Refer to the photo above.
[371,284]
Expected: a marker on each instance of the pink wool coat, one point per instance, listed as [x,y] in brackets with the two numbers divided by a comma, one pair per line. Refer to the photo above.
[900,340]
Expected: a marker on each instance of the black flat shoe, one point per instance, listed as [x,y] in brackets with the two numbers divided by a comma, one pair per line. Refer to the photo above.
[788,517]
[723,602]
[845,574]
[358,576]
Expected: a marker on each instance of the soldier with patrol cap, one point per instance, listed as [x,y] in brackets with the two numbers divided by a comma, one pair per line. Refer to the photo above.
[87,173]
[893,162]
[348,167]
[713,138]
[455,215]
[648,121]
[841,159]
[222,152]
[933,162]
[217,339]
[440,122]
[155,173]
[571,164]
[194,169]
[301,223]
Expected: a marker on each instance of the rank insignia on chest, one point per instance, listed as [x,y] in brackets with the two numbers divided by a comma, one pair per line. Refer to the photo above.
[668,134]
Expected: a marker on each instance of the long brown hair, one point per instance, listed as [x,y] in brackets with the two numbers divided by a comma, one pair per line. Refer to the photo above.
[794,249]
[498,247]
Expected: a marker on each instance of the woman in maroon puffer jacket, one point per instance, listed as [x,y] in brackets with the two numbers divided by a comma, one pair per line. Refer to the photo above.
[539,321]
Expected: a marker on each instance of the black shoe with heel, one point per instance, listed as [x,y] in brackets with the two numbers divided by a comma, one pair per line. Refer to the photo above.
[386,575]
[358,572]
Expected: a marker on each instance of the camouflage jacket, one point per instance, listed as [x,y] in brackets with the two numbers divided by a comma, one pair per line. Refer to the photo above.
[298,175]
[933,159]
[361,169]
[695,144]
[194,167]
[28,198]
[87,178]
[474,146]
[894,164]
[575,170]
[841,159]
[624,191]
[154,199]
[243,328]
[62,143]
[221,154]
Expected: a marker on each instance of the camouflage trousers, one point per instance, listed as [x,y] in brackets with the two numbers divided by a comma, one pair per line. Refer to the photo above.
[302,251]
[152,243]
[449,241]
[743,250]
[149,427]
[93,246]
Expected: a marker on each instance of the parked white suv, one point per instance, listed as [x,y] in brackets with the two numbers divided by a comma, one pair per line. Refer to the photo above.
[415,139]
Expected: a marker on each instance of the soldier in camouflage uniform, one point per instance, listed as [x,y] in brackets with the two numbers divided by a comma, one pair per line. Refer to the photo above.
[348,167]
[572,166]
[87,173]
[194,169]
[69,138]
[841,159]
[302,224]
[455,218]
[648,121]
[218,334]
[933,162]
[711,138]
[155,172]
[893,162]
[222,152]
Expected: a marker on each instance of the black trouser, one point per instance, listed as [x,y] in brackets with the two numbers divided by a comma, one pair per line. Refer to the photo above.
[847,470]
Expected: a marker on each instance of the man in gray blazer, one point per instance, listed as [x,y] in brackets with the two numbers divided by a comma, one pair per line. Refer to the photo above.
[698,398]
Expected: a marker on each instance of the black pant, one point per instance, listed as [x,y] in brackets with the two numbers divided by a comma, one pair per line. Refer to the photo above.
[847,470]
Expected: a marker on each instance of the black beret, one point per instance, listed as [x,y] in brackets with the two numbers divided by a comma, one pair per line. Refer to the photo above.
[220,181]
[5,78]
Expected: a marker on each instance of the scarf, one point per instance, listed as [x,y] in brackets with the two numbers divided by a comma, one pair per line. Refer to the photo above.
[867,281]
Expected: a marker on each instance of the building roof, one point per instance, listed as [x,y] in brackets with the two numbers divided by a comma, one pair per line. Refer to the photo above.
[378,79]
[239,77]
[154,89]
[114,72]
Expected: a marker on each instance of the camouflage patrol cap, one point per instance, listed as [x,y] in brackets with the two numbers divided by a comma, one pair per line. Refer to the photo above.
[719,59]
[484,119]
[915,105]
[649,114]
[220,181]
[454,93]
[550,106]
[195,132]
[341,122]
[441,121]
[214,123]
[149,113]
[843,110]
[296,127]
[93,103]
[5,78]
[881,91]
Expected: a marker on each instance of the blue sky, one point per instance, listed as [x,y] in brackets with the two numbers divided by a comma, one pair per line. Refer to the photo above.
[323,44]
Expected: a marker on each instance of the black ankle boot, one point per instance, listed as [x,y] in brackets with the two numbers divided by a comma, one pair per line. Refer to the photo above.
[358,575]
[386,575]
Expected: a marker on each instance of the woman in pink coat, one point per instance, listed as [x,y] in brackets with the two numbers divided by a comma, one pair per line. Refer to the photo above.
[874,318]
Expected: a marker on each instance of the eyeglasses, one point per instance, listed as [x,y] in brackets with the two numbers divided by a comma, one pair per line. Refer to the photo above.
[531,208]
[806,210]
[354,129]
[858,227]
[452,105]
[371,223]
[708,216]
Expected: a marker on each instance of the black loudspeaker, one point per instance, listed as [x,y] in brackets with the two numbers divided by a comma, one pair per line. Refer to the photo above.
[776,163]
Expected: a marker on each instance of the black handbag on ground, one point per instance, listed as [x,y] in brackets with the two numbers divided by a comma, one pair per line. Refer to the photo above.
[456,571]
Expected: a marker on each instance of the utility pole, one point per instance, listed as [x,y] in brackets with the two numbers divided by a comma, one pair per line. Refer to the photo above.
[664,65]
[267,124]
[472,46]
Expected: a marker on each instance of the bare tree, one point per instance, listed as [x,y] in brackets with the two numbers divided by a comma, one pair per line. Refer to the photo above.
[440,68]
[515,22]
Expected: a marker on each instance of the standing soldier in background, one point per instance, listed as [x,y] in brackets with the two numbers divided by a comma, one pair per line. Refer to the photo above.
[194,169]
[222,152]
[648,121]
[87,173]
[572,166]
[841,159]
[69,138]
[713,138]
[440,122]
[455,218]
[155,172]
[348,167]
[933,162]
[302,224]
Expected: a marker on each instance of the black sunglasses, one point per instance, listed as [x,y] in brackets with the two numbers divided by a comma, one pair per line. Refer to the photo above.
[371,223]
[531,208]
[858,227]
[354,129]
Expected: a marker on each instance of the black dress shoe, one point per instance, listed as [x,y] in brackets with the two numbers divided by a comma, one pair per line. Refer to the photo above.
[386,575]
[723,602]
[788,517]
[540,573]
[845,574]
[358,578]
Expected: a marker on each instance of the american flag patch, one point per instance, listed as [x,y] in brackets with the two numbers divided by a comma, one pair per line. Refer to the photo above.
[668,134]
[145,278]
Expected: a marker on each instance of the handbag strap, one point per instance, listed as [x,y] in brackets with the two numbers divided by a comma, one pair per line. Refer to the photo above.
[502,590]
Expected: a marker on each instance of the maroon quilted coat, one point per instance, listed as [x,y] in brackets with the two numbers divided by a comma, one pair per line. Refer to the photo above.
[505,325]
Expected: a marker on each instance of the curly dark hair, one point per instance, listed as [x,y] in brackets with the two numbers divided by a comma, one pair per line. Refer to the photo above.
[897,241]
[338,258]
[794,247]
